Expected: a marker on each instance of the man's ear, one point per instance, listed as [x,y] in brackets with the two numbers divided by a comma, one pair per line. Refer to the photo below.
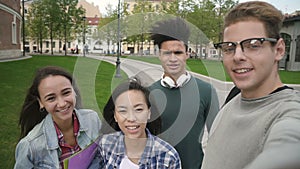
[149,114]
[279,49]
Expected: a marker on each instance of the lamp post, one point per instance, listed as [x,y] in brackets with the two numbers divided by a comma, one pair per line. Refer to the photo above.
[23,26]
[65,27]
[83,48]
[118,74]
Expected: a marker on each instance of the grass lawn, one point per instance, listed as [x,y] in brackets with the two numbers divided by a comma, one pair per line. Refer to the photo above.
[94,78]
[216,70]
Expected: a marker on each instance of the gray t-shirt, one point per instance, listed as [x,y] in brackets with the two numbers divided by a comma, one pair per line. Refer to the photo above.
[261,133]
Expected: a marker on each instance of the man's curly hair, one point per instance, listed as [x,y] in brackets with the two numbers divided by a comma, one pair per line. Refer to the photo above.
[171,29]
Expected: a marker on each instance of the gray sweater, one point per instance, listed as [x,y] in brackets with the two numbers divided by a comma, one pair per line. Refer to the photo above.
[261,133]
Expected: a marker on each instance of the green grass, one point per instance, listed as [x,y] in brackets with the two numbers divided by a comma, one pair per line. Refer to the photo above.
[289,77]
[215,69]
[94,78]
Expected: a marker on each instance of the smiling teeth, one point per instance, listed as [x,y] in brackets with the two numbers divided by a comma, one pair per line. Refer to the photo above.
[242,70]
[62,110]
[132,128]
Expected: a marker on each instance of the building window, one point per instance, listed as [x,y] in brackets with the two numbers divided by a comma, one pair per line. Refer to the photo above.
[14,31]
[297,57]
[53,44]
[287,40]
[47,44]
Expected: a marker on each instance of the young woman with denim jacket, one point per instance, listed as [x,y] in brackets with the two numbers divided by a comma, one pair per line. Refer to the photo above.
[52,126]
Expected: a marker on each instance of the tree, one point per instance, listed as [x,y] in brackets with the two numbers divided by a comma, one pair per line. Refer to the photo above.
[207,16]
[108,27]
[35,23]
[71,19]
[54,19]
[138,23]
[52,13]
[222,7]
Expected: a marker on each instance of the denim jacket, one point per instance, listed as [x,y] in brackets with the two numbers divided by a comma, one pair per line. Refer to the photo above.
[40,148]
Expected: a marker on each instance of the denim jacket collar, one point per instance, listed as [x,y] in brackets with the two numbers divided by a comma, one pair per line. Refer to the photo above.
[50,133]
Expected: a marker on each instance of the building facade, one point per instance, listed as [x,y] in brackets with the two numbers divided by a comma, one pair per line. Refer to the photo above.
[10,29]
[291,34]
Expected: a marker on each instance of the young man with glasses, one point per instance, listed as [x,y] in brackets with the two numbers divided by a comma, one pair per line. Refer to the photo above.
[185,103]
[260,127]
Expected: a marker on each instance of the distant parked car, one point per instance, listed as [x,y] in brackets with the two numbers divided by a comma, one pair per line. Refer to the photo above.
[127,52]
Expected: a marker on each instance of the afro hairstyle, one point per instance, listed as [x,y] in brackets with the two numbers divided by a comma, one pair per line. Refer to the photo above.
[171,29]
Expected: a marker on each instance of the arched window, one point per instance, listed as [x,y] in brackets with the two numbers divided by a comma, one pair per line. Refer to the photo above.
[297,57]
[287,40]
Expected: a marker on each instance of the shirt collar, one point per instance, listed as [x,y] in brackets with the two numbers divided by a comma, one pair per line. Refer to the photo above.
[60,135]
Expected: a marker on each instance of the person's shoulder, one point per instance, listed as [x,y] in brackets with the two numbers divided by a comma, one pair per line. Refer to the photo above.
[34,137]
[165,151]
[111,139]
[288,96]
[35,133]
[88,119]
[162,145]
[201,82]
[203,86]
[291,98]
[81,113]
[296,94]
[155,85]
[86,111]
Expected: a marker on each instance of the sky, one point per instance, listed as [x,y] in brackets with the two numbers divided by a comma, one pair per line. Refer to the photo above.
[286,6]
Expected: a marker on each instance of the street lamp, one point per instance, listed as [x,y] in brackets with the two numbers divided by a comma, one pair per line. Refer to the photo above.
[65,27]
[118,74]
[23,26]
[83,48]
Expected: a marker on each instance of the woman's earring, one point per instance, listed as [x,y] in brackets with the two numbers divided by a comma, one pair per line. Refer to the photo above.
[42,109]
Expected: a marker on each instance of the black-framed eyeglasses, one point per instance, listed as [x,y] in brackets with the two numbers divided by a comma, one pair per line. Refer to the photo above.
[250,47]
[168,53]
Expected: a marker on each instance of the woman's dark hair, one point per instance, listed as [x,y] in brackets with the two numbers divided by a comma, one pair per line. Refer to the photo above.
[110,125]
[31,114]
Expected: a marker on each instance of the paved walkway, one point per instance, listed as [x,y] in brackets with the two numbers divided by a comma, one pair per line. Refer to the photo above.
[15,59]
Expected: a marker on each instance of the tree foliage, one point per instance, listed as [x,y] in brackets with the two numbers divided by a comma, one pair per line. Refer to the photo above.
[62,19]
[205,16]
[53,19]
